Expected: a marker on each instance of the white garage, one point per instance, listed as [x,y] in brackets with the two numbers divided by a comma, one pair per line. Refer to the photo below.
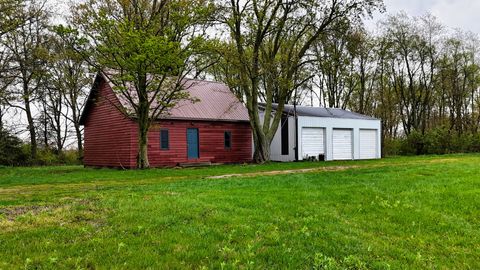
[324,133]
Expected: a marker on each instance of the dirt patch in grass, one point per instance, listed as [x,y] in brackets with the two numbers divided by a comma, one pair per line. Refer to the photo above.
[75,187]
[71,212]
[321,169]
[12,213]
[443,160]
[331,168]
[384,162]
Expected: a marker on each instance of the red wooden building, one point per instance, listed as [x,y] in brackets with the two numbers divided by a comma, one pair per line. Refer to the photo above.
[215,129]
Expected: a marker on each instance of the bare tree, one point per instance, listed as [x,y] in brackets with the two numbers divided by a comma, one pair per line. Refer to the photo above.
[26,46]
[68,81]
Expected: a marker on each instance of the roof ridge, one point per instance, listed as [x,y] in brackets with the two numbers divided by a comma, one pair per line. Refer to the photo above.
[317,111]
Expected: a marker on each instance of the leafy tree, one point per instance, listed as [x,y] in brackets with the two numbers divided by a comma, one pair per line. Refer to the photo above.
[26,47]
[68,81]
[268,46]
[12,16]
[459,80]
[386,104]
[336,54]
[145,48]
[362,50]
[413,65]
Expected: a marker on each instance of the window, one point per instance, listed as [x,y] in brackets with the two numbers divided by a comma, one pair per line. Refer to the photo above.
[228,139]
[164,140]
[284,135]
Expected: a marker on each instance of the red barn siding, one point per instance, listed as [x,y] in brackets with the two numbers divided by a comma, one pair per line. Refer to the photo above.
[211,141]
[111,139]
[108,134]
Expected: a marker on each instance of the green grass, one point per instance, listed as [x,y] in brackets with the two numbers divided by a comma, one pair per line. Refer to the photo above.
[396,213]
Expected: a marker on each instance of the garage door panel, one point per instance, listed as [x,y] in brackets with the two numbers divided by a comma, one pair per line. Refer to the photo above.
[342,144]
[368,143]
[313,142]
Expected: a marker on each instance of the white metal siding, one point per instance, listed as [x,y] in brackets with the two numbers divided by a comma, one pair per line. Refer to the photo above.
[368,143]
[276,145]
[313,142]
[328,124]
[342,144]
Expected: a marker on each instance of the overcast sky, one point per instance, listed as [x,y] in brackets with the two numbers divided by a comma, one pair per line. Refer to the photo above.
[463,14]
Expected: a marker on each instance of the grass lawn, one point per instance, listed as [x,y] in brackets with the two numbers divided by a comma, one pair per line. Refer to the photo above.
[395,213]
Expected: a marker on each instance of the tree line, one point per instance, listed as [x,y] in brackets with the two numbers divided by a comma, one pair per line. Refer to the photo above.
[416,75]
[420,78]
[42,80]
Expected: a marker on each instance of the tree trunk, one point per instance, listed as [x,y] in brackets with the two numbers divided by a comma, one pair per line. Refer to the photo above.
[78,133]
[143,127]
[142,162]
[262,148]
[1,118]
[31,129]
[76,121]
[57,119]
[59,141]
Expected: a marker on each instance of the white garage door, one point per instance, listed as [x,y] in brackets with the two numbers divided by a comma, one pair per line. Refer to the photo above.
[342,144]
[313,142]
[368,143]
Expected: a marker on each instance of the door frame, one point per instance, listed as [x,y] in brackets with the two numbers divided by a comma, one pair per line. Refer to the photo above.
[324,134]
[360,142]
[352,142]
[198,144]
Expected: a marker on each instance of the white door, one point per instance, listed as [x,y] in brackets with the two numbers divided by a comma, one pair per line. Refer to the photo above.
[368,143]
[313,142]
[342,144]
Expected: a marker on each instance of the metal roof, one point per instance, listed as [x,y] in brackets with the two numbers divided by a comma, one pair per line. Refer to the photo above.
[322,112]
[213,102]
[216,102]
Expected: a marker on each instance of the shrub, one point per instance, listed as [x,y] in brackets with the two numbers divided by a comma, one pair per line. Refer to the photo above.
[70,157]
[47,156]
[11,150]
[50,156]
[437,141]
[413,144]
[391,146]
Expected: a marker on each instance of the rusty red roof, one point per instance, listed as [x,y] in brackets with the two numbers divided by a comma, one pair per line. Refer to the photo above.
[214,102]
